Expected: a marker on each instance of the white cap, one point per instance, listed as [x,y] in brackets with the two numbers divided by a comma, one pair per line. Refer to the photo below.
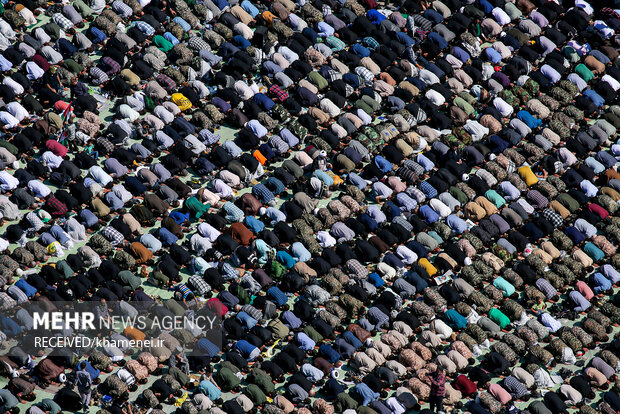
[468,261]
[62,378]
[465,177]
[262,211]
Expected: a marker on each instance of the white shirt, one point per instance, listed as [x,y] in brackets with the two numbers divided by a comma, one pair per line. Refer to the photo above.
[38,189]
[51,160]
[366,119]
[7,181]
[100,176]
[435,97]
[18,111]
[610,80]
[552,324]
[543,379]
[19,89]
[503,107]
[585,6]
[406,255]
[325,239]
[244,91]
[288,54]
[6,29]
[257,128]
[222,189]
[395,405]
[8,120]
[440,208]
[122,193]
[126,376]
[501,16]
[209,232]
[441,328]
[162,113]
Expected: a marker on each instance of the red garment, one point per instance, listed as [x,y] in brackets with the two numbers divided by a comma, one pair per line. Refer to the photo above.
[465,385]
[217,306]
[596,209]
[41,62]
[280,94]
[56,147]
[55,207]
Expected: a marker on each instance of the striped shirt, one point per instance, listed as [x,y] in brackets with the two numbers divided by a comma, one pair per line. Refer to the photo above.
[183,289]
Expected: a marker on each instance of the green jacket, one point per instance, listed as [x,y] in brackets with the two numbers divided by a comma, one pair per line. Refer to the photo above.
[499,318]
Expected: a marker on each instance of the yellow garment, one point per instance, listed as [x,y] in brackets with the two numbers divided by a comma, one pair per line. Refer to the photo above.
[527,175]
[179,402]
[430,269]
[181,101]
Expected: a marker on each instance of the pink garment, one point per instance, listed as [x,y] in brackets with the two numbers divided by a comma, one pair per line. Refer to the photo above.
[499,393]
[56,147]
[585,290]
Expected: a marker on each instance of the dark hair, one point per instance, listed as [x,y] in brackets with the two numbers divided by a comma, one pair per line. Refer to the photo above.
[83,365]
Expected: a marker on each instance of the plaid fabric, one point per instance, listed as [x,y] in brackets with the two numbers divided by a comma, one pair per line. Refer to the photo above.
[34,221]
[428,190]
[332,75]
[262,193]
[114,236]
[365,74]
[553,217]
[537,199]
[166,83]
[62,21]
[416,193]
[198,43]
[198,284]
[487,177]
[370,42]
[278,144]
[356,268]
[6,302]
[144,27]
[105,145]
[515,387]
[56,207]
[545,287]
[98,75]
[112,65]
[233,213]
[22,386]
[280,94]
[403,222]
[406,202]
[228,272]
[208,137]
[334,43]
[122,9]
